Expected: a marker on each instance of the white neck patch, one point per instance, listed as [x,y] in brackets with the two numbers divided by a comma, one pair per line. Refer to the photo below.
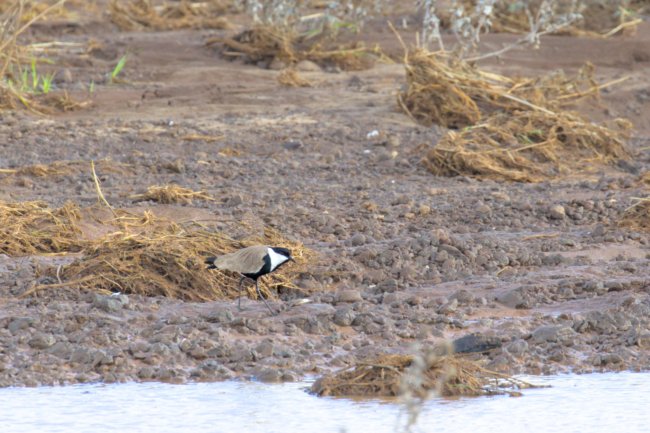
[276,259]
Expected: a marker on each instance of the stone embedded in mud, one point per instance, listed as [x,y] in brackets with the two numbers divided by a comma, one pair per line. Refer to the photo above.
[517,347]
[42,341]
[449,307]
[219,316]
[110,303]
[349,295]
[514,299]
[19,324]
[643,340]
[554,334]
[307,66]
[264,349]
[463,296]
[390,285]
[268,375]
[357,240]
[476,343]
[557,212]
[344,316]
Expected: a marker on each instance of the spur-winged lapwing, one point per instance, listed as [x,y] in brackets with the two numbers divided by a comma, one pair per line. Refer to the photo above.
[252,262]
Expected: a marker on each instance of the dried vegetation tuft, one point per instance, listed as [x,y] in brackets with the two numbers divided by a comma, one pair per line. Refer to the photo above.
[32,227]
[132,15]
[171,194]
[517,129]
[390,376]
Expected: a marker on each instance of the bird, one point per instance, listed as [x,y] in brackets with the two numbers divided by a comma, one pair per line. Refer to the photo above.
[252,262]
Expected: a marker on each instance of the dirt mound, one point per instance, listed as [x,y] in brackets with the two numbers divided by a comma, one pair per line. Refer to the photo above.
[144,15]
[265,44]
[511,129]
[385,376]
[33,228]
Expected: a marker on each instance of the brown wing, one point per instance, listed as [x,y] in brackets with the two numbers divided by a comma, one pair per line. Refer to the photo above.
[248,260]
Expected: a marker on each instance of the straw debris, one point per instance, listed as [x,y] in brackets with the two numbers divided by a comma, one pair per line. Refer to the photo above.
[31,227]
[266,44]
[510,129]
[289,77]
[171,194]
[637,216]
[132,15]
[599,18]
[384,376]
[154,257]
[15,18]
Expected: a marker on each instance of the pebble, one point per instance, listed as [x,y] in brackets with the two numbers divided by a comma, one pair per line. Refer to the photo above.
[42,341]
[349,295]
[307,66]
[557,212]
[344,316]
[476,343]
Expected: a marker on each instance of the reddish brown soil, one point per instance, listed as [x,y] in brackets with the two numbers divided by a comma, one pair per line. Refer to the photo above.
[419,258]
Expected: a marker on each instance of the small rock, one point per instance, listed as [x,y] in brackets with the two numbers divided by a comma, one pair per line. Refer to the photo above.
[219,316]
[643,340]
[553,333]
[264,349]
[307,66]
[110,303]
[449,307]
[292,145]
[389,298]
[349,295]
[277,64]
[557,212]
[517,347]
[424,210]
[358,240]
[475,343]
[344,316]
[513,299]
[42,341]
[268,375]
[390,285]
[19,324]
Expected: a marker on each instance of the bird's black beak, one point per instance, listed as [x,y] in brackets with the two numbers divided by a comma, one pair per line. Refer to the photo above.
[291,259]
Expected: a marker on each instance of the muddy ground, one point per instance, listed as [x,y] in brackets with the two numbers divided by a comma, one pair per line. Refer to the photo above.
[541,272]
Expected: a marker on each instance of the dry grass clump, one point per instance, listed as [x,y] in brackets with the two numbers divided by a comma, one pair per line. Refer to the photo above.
[17,87]
[33,228]
[32,8]
[266,43]
[63,168]
[448,376]
[144,15]
[58,168]
[511,129]
[637,216]
[600,18]
[171,194]
[160,258]
[289,77]
[525,146]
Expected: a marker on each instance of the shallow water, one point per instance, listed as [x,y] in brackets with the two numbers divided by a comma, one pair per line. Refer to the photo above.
[576,403]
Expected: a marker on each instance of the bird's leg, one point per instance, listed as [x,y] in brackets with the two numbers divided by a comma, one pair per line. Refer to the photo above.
[239,299]
[257,287]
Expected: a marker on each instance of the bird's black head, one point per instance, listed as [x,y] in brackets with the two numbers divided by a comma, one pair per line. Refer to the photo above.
[283,251]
